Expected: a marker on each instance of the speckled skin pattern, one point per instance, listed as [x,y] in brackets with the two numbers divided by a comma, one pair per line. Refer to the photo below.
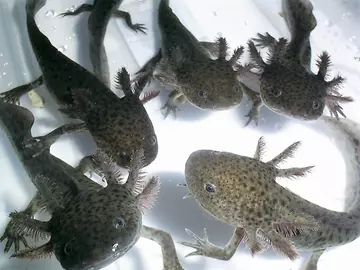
[91,226]
[241,191]
[78,221]
[84,235]
[101,12]
[288,86]
[185,66]
[118,126]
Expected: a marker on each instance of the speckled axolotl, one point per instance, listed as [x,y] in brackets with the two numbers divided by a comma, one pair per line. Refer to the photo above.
[242,191]
[118,125]
[90,226]
[287,84]
[186,66]
[101,12]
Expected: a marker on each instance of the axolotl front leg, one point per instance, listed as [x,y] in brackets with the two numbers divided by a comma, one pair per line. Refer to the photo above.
[164,239]
[118,14]
[12,234]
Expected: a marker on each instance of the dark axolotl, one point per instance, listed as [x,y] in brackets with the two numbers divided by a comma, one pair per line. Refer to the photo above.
[90,226]
[186,66]
[287,84]
[242,191]
[118,125]
[101,12]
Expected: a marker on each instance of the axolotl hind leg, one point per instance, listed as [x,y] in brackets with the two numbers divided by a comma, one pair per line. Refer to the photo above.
[13,95]
[164,239]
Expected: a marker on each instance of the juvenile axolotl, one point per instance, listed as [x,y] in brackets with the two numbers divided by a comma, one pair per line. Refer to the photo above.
[118,125]
[90,226]
[287,84]
[101,12]
[187,67]
[242,191]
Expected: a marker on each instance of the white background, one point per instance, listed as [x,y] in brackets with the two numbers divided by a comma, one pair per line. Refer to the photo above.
[237,20]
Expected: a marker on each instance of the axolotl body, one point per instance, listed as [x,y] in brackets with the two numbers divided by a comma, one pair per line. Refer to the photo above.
[287,84]
[119,126]
[242,191]
[90,226]
[186,66]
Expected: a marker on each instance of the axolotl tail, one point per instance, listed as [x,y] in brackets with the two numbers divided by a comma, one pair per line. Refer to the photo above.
[299,17]
[346,134]
[174,33]
[33,6]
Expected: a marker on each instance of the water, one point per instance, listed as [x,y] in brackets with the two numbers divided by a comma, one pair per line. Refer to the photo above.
[337,32]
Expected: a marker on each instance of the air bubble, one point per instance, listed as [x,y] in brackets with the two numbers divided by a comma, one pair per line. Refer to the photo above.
[327,23]
[50,13]
[346,16]
[62,48]
[352,38]
[4,73]
[10,84]
[6,64]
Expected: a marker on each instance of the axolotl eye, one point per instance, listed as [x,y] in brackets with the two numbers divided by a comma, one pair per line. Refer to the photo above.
[236,89]
[316,104]
[202,93]
[210,188]
[153,140]
[118,223]
[67,249]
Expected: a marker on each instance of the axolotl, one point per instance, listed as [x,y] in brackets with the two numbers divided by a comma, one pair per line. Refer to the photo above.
[187,67]
[118,125]
[242,191]
[90,226]
[287,84]
[101,12]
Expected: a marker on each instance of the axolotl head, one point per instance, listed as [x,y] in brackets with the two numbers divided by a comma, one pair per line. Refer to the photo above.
[221,183]
[97,228]
[210,84]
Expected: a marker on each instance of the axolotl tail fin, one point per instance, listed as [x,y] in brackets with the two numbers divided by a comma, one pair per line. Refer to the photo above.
[346,134]
[33,6]
[299,17]
[300,20]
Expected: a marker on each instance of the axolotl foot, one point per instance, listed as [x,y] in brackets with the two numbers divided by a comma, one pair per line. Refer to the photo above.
[170,106]
[264,41]
[13,237]
[13,95]
[205,248]
[254,97]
